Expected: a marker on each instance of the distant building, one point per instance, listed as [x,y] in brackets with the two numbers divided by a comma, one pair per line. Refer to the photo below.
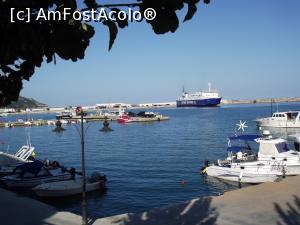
[112,105]
[161,104]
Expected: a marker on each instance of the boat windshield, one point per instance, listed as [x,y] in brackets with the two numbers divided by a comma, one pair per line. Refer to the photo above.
[292,116]
[282,147]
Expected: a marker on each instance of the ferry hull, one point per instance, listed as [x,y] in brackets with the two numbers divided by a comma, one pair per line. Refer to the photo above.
[199,103]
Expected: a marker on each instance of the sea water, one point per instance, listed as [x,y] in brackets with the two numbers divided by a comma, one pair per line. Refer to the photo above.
[148,165]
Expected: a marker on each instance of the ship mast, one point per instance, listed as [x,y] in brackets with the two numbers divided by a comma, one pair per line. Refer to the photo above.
[209,87]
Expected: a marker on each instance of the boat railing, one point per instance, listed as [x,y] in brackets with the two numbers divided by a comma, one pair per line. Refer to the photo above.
[25,152]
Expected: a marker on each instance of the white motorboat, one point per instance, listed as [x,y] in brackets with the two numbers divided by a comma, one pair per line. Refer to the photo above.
[274,159]
[70,187]
[261,174]
[34,173]
[290,119]
[21,156]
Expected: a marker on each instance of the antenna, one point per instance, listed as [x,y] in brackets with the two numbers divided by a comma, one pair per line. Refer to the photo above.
[209,86]
[28,140]
[183,90]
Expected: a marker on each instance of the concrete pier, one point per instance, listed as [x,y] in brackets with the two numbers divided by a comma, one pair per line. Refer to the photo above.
[269,203]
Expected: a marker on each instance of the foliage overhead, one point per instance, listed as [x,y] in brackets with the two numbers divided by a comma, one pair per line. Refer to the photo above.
[24,46]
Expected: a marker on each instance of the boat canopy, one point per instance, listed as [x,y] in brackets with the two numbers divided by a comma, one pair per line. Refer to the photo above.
[245,137]
[31,167]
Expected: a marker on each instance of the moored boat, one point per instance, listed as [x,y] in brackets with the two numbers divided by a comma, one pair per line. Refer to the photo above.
[21,156]
[124,118]
[290,119]
[71,187]
[34,173]
[274,159]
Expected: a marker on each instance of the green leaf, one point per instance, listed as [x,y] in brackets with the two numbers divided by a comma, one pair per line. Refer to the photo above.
[113,31]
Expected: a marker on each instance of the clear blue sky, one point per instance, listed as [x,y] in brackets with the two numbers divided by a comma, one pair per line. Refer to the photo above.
[246,48]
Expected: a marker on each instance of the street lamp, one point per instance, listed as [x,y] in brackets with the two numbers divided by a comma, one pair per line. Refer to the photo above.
[84,200]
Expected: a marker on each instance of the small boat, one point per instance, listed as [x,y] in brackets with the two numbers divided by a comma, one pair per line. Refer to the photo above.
[70,187]
[124,118]
[67,114]
[34,173]
[290,119]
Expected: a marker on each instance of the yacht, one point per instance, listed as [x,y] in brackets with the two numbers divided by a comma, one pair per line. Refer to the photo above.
[290,119]
[273,160]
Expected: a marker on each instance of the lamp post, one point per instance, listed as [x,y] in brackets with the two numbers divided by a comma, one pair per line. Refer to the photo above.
[84,200]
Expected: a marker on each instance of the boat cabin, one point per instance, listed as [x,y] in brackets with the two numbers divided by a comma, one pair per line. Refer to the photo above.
[291,115]
[272,147]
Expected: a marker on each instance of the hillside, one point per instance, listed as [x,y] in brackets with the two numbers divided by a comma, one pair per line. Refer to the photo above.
[24,103]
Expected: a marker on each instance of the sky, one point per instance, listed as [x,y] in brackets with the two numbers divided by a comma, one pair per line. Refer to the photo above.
[246,49]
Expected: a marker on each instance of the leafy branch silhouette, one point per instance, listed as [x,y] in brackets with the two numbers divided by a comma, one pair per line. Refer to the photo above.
[25,46]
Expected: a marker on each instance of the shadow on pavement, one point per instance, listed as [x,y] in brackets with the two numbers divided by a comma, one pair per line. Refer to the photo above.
[197,211]
[290,216]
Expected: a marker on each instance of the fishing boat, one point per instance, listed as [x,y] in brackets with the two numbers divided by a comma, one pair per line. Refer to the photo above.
[199,99]
[124,118]
[71,187]
[289,119]
[34,173]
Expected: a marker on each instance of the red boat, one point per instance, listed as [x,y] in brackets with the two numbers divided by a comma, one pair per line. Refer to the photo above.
[124,118]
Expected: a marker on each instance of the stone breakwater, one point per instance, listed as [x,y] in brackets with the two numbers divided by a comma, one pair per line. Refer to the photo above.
[261,100]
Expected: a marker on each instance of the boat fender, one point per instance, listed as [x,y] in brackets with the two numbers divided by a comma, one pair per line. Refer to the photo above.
[240,176]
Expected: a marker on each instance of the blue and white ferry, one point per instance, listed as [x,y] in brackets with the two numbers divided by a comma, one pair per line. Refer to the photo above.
[199,99]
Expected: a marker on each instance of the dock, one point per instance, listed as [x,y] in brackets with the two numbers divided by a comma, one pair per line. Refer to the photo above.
[76,119]
[150,119]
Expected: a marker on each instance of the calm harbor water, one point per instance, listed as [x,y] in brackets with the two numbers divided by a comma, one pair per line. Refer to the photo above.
[145,162]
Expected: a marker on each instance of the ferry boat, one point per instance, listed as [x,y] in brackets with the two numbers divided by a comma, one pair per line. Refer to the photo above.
[199,99]
[290,119]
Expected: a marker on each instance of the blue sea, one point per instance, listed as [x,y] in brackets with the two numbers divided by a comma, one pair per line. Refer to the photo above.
[148,165]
